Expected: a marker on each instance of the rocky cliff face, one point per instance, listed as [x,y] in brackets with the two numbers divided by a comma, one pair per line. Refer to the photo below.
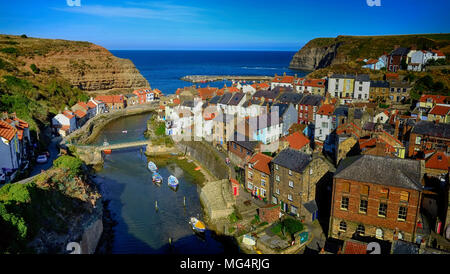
[311,58]
[91,68]
[323,52]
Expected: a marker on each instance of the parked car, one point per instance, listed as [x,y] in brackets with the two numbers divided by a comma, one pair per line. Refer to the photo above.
[42,159]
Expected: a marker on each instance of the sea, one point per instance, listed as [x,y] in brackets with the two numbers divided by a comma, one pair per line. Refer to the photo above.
[164,69]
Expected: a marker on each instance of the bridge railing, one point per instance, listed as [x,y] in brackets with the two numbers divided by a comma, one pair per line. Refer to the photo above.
[109,143]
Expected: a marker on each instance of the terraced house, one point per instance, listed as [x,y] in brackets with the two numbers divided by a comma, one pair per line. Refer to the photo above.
[257,175]
[379,90]
[293,185]
[341,85]
[376,196]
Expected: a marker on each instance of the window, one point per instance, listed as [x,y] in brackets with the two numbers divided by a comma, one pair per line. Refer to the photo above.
[418,139]
[263,182]
[404,196]
[277,191]
[294,210]
[346,187]
[344,203]
[365,190]
[379,233]
[290,172]
[263,192]
[363,206]
[382,210]
[400,236]
[234,145]
[277,178]
[276,167]
[250,175]
[402,212]
[342,226]
[291,184]
[384,193]
[274,200]
[360,230]
[324,124]
[249,185]
[290,197]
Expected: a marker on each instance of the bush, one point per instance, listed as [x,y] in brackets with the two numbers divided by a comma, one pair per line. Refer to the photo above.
[233,217]
[9,50]
[34,68]
[23,36]
[71,164]
[292,225]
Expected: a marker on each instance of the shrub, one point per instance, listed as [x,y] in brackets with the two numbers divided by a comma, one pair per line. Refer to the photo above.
[292,225]
[233,217]
[23,36]
[71,164]
[34,68]
[9,50]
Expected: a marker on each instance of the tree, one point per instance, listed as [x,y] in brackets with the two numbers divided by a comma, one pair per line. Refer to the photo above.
[23,36]
[34,68]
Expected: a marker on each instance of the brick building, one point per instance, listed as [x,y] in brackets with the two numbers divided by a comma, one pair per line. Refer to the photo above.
[294,178]
[257,175]
[307,108]
[429,136]
[376,196]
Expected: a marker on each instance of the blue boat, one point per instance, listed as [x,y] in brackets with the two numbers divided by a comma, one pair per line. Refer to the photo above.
[152,167]
[157,178]
[197,225]
[172,181]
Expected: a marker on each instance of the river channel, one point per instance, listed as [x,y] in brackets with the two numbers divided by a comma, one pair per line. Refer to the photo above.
[126,182]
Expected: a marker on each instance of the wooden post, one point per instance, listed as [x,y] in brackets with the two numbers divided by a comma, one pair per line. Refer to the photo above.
[156,205]
[184,201]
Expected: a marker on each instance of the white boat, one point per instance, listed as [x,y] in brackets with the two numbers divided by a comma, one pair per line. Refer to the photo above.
[172,181]
[197,225]
[124,131]
[152,167]
[157,178]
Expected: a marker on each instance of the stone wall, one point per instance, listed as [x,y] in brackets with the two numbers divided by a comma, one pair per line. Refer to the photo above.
[207,156]
[217,199]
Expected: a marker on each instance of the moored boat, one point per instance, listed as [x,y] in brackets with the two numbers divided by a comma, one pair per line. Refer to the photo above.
[172,181]
[157,178]
[107,151]
[152,167]
[197,225]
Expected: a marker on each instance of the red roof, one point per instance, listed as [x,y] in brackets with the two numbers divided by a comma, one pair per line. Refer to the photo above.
[390,76]
[176,101]
[284,79]
[297,140]
[326,109]
[91,105]
[7,131]
[261,162]
[83,105]
[438,52]
[80,114]
[436,99]
[68,114]
[363,143]
[110,99]
[438,161]
[157,91]
[261,86]
[353,247]
[440,110]
[320,83]
[372,61]
[65,127]
[207,93]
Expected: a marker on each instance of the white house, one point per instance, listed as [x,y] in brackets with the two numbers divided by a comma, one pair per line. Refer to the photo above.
[9,149]
[97,106]
[263,129]
[282,81]
[248,89]
[362,87]
[324,122]
[64,123]
[416,60]
[340,85]
[381,117]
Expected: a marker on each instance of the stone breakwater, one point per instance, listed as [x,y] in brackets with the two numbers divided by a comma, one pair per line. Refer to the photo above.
[214,78]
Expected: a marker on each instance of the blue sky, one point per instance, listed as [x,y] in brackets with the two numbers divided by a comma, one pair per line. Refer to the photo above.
[224,24]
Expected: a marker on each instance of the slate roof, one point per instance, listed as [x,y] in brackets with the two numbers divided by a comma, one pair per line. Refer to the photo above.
[402,247]
[369,126]
[400,51]
[379,84]
[292,159]
[311,206]
[188,103]
[244,141]
[381,170]
[358,113]
[341,111]
[311,100]
[343,76]
[362,77]
[237,97]
[281,108]
[290,97]
[215,99]
[432,129]
[225,98]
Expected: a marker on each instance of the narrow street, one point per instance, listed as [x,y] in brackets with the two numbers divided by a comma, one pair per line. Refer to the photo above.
[54,152]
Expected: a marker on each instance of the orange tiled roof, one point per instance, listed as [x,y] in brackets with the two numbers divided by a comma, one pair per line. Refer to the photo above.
[261,162]
[80,114]
[110,99]
[326,109]
[437,99]
[391,76]
[83,105]
[297,140]
[284,79]
[438,161]
[320,83]
[91,105]
[440,110]
[207,93]
[68,114]
[438,52]
[176,101]
[372,61]
[7,131]
[363,143]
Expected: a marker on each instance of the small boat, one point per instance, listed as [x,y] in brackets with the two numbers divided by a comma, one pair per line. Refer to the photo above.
[172,181]
[152,167]
[156,178]
[107,151]
[197,225]
[124,131]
